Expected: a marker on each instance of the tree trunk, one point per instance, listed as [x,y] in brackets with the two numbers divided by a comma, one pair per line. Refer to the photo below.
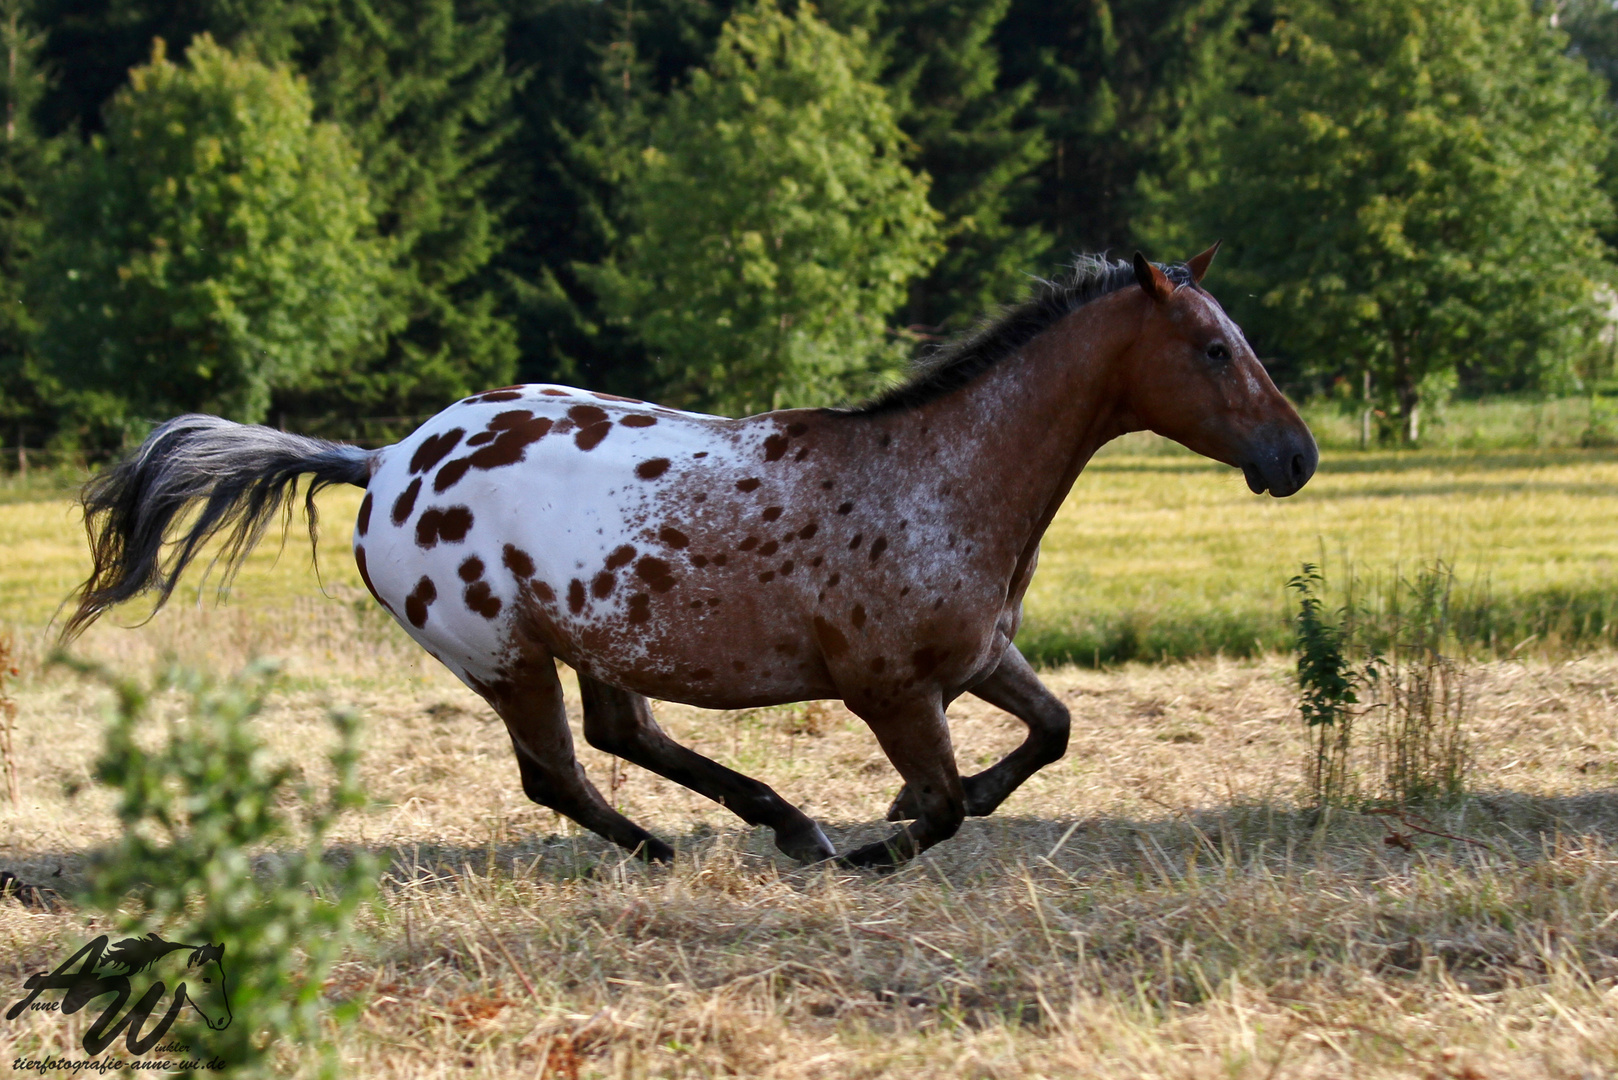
[1365,413]
[1406,392]
[1411,414]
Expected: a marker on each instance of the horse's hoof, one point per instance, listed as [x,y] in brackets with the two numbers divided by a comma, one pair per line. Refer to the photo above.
[806,845]
[880,857]
[904,806]
[653,850]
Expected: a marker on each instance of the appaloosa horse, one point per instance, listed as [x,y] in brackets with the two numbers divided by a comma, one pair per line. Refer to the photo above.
[876,554]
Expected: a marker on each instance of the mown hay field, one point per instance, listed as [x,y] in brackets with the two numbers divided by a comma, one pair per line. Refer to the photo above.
[1155,905]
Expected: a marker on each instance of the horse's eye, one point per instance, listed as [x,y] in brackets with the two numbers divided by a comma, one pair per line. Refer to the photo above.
[1218,351]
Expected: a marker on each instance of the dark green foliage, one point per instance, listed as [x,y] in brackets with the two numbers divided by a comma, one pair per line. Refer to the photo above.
[1151,636]
[1555,622]
[26,161]
[1044,128]
[935,57]
[195,811]
[1116,81]
[576,59]
[771,222]
[94,43]
[1592,30]
[422,90]
[941,65]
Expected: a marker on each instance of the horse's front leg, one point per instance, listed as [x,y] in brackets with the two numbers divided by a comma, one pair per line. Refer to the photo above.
[915,737]
[1014,687]
[620,722]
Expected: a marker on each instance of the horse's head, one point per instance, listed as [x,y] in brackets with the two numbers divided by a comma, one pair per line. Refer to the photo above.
[205,985]
[1192,377]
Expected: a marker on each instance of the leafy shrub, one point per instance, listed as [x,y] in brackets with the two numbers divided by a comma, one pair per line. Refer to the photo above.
[192,812]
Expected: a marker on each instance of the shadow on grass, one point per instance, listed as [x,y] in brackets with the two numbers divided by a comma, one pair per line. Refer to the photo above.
[1512,827]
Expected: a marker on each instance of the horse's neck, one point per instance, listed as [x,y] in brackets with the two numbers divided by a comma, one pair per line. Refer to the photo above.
[1021,432]
[1034,420]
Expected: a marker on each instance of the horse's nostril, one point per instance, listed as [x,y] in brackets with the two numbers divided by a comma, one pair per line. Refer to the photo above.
[1300,471]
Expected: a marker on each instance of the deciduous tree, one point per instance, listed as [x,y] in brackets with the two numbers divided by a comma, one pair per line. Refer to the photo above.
[1408,189]
[212,246]
[773,221]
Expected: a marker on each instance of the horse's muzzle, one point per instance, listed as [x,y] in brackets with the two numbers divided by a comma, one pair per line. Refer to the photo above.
[1282,463]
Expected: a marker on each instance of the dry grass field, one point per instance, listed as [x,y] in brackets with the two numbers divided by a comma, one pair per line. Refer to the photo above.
[1154,905]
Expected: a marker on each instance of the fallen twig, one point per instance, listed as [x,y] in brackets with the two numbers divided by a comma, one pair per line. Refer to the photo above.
[1398,839]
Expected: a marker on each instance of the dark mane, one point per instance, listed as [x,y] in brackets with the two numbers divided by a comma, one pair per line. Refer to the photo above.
[954,365]
[138,954]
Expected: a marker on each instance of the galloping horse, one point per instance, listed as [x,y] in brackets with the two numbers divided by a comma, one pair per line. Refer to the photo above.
[876,554]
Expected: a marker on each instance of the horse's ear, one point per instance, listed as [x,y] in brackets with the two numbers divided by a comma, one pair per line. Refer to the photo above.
[1199,263]
[1153,280]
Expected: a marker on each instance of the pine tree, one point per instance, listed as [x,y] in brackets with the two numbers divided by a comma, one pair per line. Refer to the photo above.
[1115,78]
[943,69]
[576,59]
[422,90]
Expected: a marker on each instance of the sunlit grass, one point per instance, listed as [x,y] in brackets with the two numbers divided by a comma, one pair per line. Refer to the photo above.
[1161,553]
[1156,553]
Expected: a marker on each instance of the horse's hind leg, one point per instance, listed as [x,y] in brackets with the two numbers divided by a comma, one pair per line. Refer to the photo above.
[1014,687]
[620,722]
[536,719]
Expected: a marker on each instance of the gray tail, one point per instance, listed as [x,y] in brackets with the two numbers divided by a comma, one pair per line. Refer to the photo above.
[242,475]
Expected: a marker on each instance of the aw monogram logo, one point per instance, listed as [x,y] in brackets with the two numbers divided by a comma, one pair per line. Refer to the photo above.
[195,972]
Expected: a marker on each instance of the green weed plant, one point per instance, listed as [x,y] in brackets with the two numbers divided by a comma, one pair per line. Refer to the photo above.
[1387,666]
[1328,690]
